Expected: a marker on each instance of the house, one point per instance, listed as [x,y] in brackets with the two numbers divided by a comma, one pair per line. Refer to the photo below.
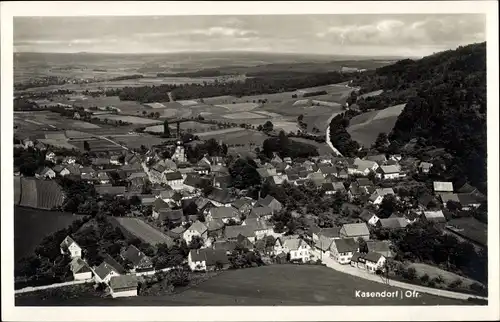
[434,216]
[45,173]
[379,158]
[369,217]
[244,242]
[123,286]
[137,259]
[388,172]
[104,272]
[425,167]
[71,170]
[323,245]
[469,200]
[220,197]
[215,228]
[223,213]
[332,188]
[176,233]
[330,233]
[243,205]
[70,247]
[206,259]
[259,226]
[100,162]
[196,229]
[80,269]
[371,262]
[227,246]
[287,160]
[219,170]
[174,216]
[232,232]
[298,249]
[355,231]
[158,205]
[379,194]
[222,181]
[361,167]
[265,173]
[392,223]
[264,212]
[443,186]
[426,201]
[174,180]
[326,170]
[103,177]
[343,249]
[50,156]
[192,181]
[278,179]
[380,246]
[110,190]
[270,202]
[448,196]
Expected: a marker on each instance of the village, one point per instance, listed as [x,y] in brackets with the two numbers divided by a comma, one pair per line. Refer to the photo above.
[197,203]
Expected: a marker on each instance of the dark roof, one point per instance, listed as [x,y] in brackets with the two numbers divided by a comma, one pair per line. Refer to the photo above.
[261,211]
[267,201]
[380,246]
[223,212]
[114,264]
[110,190]
[135,256]
[241,202]
[425,199]
[220,195]
[364,182]
[100,161]
[160,204]
[210,256]
[393,223]
[332,232]
[227,246]
[244,242]
[123,282]
[215,224]
[234,231]
[192,180]
[170,176]
[372,257]
[104,269]
[468,199]
[366,214]
[171,214]
[345,245]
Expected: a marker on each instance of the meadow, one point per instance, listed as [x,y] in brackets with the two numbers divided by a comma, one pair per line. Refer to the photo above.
[141,230]
[32,225]
[264,286]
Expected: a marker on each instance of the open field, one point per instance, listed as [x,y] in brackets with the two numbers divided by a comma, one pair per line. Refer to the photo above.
[266,286]
[32,225]
[206,135]
[191,126]
[244,116]
[433,272]
[286,126]
[35,193]
[365,128]
[323,148]
[142,230]
[50,120]
[129,119]
[235,136]
[134,141]
[239,107]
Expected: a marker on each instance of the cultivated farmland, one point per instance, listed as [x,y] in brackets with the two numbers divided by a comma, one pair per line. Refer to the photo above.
[129,119]
[244,116]
[143,231]
[41,194]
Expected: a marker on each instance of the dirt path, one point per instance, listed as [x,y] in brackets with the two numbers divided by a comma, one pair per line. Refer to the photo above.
[117,144]
[45,287]
[331,263]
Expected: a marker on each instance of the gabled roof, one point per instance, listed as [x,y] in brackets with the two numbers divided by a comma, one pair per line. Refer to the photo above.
[468,199]
[293,243]
[220,195]
[215,224]
[114,264]
[345,245]
[110,190]
[104,270]
[366,215]
[332,232]
[393,223]
[100,161]
[357,229]
[223,212]
[210,256]
[443,186]
[323,243]
[434,215]
[448,196]
[135,256]
[234,231]
[267,201]
[198,226]
[67,242]
[379,158]
[261,211]
[192,180]
[381,192]
[171,176]
[388,169]
[241,202]
[171,214]
[224,245]
[78,265]
[380,246]
[123,282]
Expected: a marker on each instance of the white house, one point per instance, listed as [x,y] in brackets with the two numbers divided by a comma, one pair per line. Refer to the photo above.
[196,229]
[80,269]
[45,173]
[50,156]
[379,194]
[297,248]
[388,172]
[123,286]
[425,167]
[259,226]
[343,249]
[323,245]
[369,217]
[370,261]
[207,259]
[174,180]
[362,167]
[69,246]
[104,272]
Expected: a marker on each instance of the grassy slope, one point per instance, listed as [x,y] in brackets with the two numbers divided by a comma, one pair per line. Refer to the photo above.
[270,285]
[32,225]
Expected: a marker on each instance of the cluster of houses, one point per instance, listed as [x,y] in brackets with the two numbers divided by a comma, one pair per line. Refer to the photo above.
[121,281]
[172,185]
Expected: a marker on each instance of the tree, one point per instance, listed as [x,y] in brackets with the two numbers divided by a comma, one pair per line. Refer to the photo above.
[387,206]
[166,129]
[300,118]
[244,173]
[86,146]
[363,246]
[381,142]
[267,127]
[196,242]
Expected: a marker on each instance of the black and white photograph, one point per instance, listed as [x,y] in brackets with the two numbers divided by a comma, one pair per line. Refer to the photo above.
[250,159]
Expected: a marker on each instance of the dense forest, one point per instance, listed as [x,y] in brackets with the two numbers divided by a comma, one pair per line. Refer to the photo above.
[251,86]
[446,105]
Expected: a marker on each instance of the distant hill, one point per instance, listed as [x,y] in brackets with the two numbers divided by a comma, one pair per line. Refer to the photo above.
[445,96]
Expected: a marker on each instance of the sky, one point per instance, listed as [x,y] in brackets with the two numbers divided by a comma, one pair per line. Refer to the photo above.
[370,35]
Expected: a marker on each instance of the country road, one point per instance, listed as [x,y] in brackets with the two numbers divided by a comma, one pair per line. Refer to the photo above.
[45,287]
[347,269]
[109,140]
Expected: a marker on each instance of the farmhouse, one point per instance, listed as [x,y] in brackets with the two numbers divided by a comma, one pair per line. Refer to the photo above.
[207,259]
[70,247]
[343,249]
[174,180]
[469,200]
[270,202]
[104,272]
[80,269]
[243,205]
[159,205]
[443,186]
[371,262]
[174,216]
[332,188]
[45,173]
[362,167]
[330,233]
[369,217]
[137,259]
[223,213]
[123,286]
[380,246]
[232,232]
[220,197]
[323,245]
[297,248]
[176,233]
[379,158]
[388,172]
[425,167]
[392,223]
[379,194]
[264,212]
[196,229]
[355,231]
[434,216]
[110,190]
[259,226]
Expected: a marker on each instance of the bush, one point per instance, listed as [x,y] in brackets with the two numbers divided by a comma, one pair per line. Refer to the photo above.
[476,287]
[455,283]
[439,279]
[431,283]
[424,278]
[410,273]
